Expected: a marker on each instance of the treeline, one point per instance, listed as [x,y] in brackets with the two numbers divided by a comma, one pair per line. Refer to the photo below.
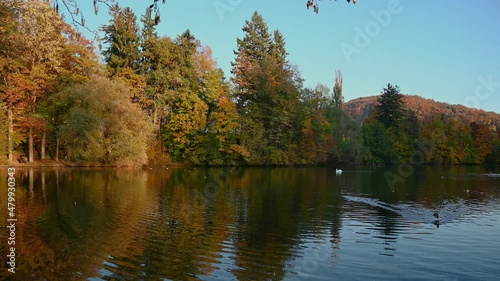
[394,133]
[159,99]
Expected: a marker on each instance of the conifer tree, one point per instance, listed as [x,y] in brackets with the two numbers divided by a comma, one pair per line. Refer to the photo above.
[390,110]
[122,35]
[266,90]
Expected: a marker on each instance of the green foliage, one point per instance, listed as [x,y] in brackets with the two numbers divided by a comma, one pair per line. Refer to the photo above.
[102,125]
[40,54]
[267,92]
[338,99]
[349,138]
[390,110]
[122,37]
[381,146]
[265,116]
[200,123]
[316,124]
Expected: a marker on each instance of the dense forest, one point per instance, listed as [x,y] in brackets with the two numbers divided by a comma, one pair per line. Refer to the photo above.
[159,100]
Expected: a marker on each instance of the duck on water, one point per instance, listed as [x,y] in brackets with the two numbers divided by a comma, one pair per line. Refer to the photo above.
[436,221]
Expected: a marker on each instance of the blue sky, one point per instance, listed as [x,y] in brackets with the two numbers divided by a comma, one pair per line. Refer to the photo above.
[443,50]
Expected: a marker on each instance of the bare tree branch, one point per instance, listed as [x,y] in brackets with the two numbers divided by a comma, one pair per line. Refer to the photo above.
[315,5]
[78,18]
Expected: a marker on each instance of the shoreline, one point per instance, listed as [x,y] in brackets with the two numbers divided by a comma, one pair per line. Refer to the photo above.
[68,164]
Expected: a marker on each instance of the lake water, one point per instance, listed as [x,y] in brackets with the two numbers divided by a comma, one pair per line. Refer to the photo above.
[254,224]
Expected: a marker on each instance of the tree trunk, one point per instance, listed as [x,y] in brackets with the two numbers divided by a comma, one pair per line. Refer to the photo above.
[42,149]
[57,148]
[30,145]
[11,132]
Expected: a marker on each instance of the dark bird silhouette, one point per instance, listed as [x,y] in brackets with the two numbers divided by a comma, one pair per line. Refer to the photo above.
[436,222]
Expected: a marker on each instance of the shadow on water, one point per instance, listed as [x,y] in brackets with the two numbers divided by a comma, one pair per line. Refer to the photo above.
[246,224]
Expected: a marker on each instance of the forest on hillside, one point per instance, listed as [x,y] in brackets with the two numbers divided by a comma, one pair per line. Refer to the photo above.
[159,100]
[426,109]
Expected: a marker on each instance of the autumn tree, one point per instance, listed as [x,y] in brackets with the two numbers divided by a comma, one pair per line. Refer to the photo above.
[435,133]
[201,119]
[9,62]
[39,33]
[122,54]
[317,138]
[266,90]
[484,139]
[103,125]
[79,63]
[219,137]
[4,141]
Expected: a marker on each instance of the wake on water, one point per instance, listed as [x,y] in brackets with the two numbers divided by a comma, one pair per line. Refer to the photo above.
[448,211]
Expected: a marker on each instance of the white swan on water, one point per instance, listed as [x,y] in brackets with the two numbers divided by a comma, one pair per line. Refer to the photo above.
[338,171]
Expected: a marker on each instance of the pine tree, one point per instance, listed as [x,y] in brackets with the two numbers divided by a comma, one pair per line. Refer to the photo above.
[266,93]
[148,39]
[278,49]
[391,110]
[252,49]
[122,35]
[257,41]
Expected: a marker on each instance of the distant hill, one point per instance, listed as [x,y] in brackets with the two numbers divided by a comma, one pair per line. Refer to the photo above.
[361,108]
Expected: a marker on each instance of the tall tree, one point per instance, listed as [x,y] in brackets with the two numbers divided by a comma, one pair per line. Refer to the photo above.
[338,98]
[278,48]
[317,140]
[39,61]
[198,119]
[250,53]
[122,37]
[122,56]
[390,110]
[9,60]
[266,90]
[148,40]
